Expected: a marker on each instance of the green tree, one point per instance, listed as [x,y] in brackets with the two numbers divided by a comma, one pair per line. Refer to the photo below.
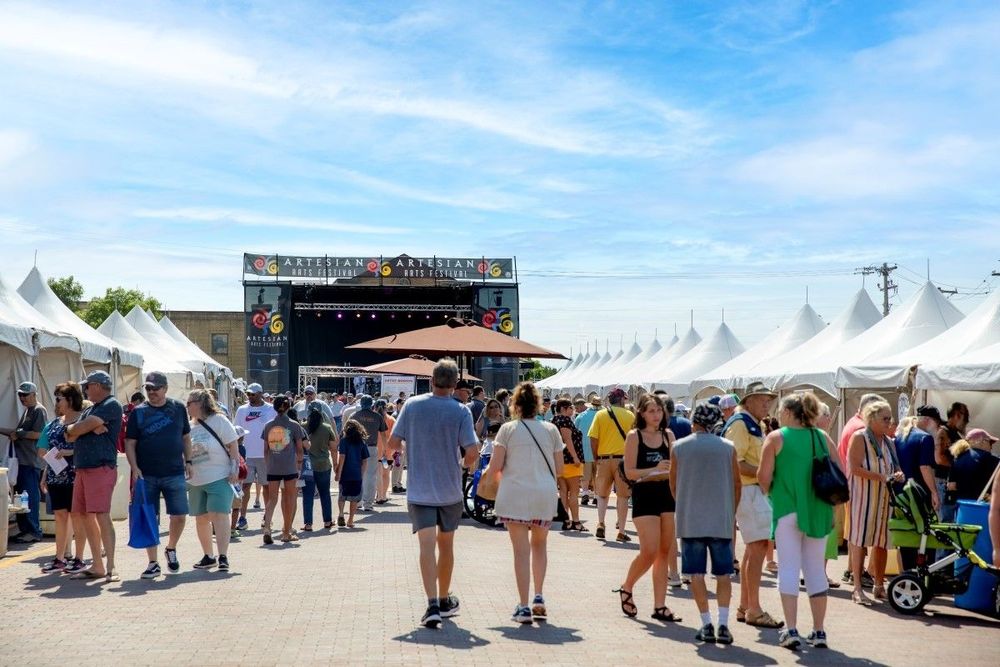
[69,291]
[120,299]
[538,371]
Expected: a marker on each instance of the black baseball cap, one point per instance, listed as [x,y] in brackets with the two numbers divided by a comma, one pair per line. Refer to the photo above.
[930,411]
[463,384]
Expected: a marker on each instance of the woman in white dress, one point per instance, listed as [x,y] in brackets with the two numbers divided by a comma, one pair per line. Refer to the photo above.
[527,453]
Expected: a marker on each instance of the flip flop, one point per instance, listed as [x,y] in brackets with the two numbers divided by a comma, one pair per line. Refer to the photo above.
[87,575]
[112,576]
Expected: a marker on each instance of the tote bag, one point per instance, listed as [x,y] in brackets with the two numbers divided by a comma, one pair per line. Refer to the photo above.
[143,529]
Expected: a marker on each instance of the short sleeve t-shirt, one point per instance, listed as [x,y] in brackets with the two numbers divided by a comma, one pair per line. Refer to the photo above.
[252,418]
[279,436]
[748,448]
[319,447]
[971,471]
[33,419]
[583,422]
[210,462]
[679,426]
[94,450]
[352,453]
[916,450]
[159,434]
[373,423]
[610,441]
[435,428]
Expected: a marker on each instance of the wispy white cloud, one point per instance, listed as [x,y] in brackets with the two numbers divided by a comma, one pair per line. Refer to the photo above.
[238,218]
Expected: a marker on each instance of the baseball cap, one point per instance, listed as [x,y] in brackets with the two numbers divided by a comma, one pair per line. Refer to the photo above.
[27,388]
[977,433]
[715,400]
[680,407]
[617,393]
[727,402]
[930,411]
[156,380]
[254,388]
[240,431]
[309,389]
[706,415]
[463,384]
[366,402]
[101,378]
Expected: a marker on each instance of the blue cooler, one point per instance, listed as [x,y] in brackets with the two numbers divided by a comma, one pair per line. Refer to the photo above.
[979,597]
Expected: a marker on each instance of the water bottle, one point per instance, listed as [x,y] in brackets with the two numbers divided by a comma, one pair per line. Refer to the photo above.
[24,499]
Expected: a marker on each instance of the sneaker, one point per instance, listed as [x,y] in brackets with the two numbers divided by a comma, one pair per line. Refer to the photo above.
[521,614]
[867,580]
[242,523]
[584,500]
[448,606]
[848,577]
[340,521]
[151,572]
[234,534]
[789,639]
[73,566]
[256,504]
[432,617]
[205,563]
[538,611]
[223,563]
[675,581]
[686,579]
[172,563]
[706,634]
[599,533]
[817,639]
[56,565]
[723,636]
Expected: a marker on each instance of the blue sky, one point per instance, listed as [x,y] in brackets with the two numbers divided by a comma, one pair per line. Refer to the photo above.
[639,159]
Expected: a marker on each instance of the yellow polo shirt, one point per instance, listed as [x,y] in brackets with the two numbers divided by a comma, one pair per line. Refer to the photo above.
[609,440]
[747,448]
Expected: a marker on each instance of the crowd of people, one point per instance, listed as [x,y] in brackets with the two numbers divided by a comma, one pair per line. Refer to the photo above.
[690,477]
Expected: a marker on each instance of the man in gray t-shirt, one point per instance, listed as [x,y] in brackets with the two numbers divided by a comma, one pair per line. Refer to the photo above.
[30,465]
[705,481]
[438,431]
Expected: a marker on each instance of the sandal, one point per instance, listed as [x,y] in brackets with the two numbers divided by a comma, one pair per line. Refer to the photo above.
[664,614]
[577,526]
[307,528]
[832,583]
[627,603]
[861,599]
[285,537]
[567,525]
[764,620]
[88,575]
[879,593]
[623,538]
[741,615]
[340,521]
[328,525]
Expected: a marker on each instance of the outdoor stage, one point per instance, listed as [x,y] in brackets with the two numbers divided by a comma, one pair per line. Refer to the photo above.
[304,312]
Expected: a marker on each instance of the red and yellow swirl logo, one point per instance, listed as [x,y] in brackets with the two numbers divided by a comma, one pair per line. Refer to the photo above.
[372,266]
[495,269]
[277,326]
[272,267]
[386,269]
[260,263]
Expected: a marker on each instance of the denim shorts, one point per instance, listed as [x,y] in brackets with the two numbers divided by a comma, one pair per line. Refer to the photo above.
[695,551]
[174,492]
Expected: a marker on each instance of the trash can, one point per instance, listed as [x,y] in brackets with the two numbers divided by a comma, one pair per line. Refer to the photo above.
[980,594]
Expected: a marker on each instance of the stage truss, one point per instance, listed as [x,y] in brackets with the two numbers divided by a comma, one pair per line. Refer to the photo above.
[310,375]
[387,307]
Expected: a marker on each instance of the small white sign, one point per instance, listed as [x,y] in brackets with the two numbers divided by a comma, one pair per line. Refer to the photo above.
[393,384]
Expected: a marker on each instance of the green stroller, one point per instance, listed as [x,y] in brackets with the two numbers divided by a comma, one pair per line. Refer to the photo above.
[914,524]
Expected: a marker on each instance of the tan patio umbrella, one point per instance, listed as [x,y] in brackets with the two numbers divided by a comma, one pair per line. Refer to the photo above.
[411,365]
[457,337]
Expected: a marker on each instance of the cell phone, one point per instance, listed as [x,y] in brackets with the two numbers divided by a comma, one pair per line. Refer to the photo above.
[238,490]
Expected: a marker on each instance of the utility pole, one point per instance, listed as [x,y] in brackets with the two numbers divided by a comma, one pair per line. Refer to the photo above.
[887,285]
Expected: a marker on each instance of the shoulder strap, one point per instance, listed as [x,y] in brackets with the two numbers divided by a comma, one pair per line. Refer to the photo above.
[539,445]
[216,436]
[752,427]
[615,420]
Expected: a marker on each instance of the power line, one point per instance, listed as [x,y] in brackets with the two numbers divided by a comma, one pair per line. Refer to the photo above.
[887,285]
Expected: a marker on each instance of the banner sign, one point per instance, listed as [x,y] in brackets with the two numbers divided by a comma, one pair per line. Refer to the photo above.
[267,311]
[456,268]
[393,384]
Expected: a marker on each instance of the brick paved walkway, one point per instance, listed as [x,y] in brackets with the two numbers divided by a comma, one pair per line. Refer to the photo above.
[354,598]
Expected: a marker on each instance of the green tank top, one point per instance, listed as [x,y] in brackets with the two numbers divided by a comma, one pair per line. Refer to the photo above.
[791,489]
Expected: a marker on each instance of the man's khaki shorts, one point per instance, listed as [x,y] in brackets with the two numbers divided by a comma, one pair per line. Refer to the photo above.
[607,475]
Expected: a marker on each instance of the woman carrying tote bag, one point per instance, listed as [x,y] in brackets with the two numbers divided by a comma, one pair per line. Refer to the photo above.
[528,454]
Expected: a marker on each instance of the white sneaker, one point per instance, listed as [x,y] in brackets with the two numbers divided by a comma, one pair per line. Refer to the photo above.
[675,581]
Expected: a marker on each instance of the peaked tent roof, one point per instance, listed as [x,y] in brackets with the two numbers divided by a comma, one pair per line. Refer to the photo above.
[19,320]
[95,346]
[119,330]
[802,326]
[859,316]
[186,343]
[579,374]
[627,373]
[660,365]
[978,330]
[712,352]
[608,373]
[149,329]
[548,382]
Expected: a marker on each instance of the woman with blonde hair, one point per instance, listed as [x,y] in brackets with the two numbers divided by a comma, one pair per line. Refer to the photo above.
[528,455]
[871,461]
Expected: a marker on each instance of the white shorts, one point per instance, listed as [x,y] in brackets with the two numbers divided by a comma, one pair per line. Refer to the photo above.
[753,515]
[256,471]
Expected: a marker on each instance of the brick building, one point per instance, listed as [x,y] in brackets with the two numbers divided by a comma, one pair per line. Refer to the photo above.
[219,334]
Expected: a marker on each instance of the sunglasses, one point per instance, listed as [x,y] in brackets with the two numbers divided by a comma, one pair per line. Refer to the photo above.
[59,398]
[20,395]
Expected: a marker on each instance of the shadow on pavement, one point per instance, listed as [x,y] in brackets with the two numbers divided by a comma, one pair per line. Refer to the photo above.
[448,636]
[539,633]
[734,654]
[135,587]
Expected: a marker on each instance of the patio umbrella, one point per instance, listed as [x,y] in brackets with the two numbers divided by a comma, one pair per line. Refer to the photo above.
[457,337]
[412,365]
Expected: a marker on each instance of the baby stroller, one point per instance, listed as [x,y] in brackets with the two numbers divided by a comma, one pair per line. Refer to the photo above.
[914,524]
[480,509]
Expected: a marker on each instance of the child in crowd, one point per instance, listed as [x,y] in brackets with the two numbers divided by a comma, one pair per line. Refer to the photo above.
[351,465]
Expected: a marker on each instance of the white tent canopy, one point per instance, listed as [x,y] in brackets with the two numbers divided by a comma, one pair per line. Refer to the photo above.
[859,316]
[179,377]
[553,380]
[622,360]
[630,372]
[150,330]
[980,329]
[717,349]
[978,370]
[660,365]
[581,372]
[186,343]
[800,328]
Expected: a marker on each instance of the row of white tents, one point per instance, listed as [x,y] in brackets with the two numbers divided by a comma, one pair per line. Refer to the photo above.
[43,341]
[925,350]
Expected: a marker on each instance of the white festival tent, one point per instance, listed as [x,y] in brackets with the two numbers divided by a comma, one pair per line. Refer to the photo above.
[579,381]
[630,372]
[607,361]
[717,349]
[608,373]
[180,379]
[581,371]
[563,372]
[149,329]
[978,330]
[802,326]
[32,348]
[99,352]
[659,366]
[777,373]
[978,370]
[924,316]
[219,375]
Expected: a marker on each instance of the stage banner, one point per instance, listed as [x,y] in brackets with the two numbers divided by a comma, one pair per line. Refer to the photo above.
[324,267]
[267,311]
[497,309]
[393,384]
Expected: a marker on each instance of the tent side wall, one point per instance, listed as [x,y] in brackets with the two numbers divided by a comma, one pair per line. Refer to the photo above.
[984,407]
[15,367]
